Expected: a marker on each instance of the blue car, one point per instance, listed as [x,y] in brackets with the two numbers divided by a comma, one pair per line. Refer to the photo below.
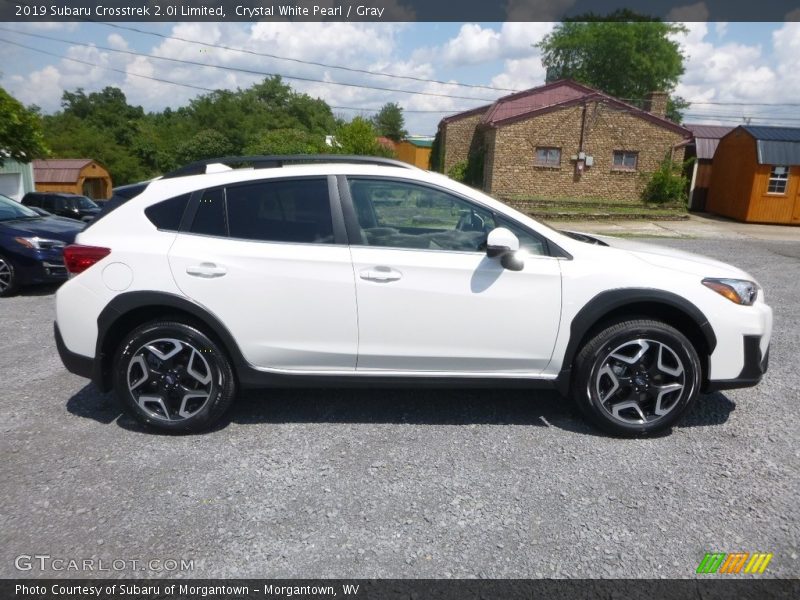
[32,246]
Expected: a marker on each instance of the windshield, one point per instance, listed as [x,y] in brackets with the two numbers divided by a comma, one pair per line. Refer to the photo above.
[10,209]
[83,202]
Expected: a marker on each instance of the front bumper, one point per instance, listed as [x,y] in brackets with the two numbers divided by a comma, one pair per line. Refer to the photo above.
[40,266]
[755,365]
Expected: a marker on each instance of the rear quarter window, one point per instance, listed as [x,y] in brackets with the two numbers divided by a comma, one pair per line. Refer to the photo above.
[167,214]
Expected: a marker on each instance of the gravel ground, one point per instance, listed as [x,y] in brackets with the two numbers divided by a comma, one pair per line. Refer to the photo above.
[406,484]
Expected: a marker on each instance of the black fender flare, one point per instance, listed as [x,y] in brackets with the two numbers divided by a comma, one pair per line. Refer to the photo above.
[124,304]
[606,302]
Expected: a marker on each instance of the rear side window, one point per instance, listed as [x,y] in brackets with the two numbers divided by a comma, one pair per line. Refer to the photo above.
[210,216]
[167,215]
[48,203]
[294,210]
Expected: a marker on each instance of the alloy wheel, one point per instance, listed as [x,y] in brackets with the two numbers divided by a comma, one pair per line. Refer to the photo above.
[6,275]
[640,381]
[170,379]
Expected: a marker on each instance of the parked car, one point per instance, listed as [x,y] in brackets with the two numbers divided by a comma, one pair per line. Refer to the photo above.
[31,246]
[363,271]
[72,206]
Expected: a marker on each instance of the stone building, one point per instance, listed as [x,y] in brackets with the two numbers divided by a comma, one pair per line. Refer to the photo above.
[563,140]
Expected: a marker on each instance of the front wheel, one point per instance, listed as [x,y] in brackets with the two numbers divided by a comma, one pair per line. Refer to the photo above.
[172,376]
[636,377]
[9,283]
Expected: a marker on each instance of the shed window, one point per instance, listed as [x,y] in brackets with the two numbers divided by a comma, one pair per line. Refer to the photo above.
[548,157]
[625,160]
[777,180]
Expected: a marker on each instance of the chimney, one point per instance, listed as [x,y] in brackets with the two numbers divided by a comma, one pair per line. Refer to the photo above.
[656,103]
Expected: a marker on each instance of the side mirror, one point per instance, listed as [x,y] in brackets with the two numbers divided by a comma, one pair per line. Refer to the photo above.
[501,241]
[503,244]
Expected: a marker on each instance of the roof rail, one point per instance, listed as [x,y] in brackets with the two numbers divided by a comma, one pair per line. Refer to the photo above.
[276,161]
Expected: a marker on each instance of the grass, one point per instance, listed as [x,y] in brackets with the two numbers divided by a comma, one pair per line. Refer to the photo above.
[573,209]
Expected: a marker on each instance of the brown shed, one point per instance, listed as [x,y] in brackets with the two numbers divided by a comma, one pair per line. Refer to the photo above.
[756,176]
[73,175]
[704,144]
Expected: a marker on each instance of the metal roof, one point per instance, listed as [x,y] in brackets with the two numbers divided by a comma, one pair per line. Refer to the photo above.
[776,145]
[778,153]
[773,134]
[706,138]
[61,170]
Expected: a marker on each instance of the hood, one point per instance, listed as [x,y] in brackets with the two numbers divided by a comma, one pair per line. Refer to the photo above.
[53,228]
[671,258]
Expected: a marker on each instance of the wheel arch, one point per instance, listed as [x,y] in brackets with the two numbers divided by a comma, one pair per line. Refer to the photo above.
[613,305]
[129,310]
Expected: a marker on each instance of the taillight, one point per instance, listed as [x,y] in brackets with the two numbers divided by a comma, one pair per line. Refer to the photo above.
[78,258]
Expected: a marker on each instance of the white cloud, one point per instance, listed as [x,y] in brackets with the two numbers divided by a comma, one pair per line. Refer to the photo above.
[475,44]
[520,74]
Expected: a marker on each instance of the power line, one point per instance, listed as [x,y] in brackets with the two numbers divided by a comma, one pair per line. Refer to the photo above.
[188,85]
[242,70]
[305,62]
[91,64]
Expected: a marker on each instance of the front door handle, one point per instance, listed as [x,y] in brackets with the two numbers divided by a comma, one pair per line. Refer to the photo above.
[206,270]
[381,274]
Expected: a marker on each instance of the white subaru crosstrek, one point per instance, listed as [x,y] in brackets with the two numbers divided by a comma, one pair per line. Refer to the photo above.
[354,271]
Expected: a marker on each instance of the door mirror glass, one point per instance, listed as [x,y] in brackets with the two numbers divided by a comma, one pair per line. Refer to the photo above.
[501,242]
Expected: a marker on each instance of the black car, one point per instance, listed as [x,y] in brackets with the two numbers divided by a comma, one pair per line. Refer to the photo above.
[73,206]
[31,246]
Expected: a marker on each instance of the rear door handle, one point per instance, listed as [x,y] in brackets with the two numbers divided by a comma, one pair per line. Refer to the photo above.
[381,274]
[206,270]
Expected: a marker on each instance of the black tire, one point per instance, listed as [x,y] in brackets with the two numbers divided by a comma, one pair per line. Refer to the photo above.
[188,377]
[615,389]
[9,282]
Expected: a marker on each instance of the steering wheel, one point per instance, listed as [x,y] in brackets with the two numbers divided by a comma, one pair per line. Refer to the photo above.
[471,221]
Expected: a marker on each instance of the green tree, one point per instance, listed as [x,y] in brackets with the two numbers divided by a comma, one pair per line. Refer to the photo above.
[390,122]
[21,135]
[359,137]
[208,143]
[287,141]
[623,54]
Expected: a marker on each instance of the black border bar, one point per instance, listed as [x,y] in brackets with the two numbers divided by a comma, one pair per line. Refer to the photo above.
[706,587]
[391,10]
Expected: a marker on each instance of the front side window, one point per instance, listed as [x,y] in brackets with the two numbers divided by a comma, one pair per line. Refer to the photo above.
[625,161]
[778,178]
[290,210]
[398,214]
[548,157]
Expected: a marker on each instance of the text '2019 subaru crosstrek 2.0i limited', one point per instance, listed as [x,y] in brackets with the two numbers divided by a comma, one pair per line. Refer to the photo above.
[349,271]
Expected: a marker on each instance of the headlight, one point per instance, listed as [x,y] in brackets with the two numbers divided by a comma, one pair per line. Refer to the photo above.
[38,243]
[738,291]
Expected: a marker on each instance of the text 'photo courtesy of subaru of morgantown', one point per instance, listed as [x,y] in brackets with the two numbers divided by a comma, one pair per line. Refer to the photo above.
[353,271]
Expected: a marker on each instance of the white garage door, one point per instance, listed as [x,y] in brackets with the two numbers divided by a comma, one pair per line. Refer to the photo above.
[11,185]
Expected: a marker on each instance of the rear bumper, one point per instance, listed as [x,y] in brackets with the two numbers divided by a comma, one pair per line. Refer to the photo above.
[74,363]
[755,365]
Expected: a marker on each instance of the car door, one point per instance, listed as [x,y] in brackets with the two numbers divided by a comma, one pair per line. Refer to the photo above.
[430,300]
[269,258]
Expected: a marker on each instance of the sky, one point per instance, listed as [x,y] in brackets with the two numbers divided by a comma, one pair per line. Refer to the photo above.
[732,69]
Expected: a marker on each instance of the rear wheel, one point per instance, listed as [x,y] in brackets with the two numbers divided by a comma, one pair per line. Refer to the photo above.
[171,376]
[636,377]
[9,284]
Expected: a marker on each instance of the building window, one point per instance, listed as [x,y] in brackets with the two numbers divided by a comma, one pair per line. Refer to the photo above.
[625,161]
[777,180]
[548,157]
